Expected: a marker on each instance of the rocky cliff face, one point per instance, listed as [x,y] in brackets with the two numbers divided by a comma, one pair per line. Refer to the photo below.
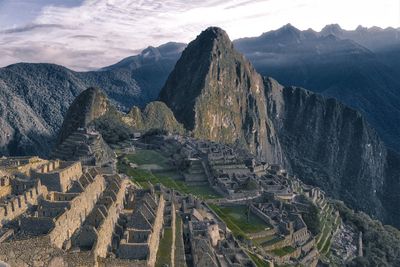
[330,145]
[216,93]
[336,63]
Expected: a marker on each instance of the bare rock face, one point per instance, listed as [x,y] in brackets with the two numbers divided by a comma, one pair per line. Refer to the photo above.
[216,93]
[330,145]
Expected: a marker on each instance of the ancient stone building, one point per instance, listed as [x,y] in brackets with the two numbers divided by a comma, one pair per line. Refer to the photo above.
[87,146]
[143,228]
[58,175]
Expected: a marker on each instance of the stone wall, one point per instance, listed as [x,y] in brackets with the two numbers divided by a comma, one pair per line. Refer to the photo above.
[19,204]
[157,228]
[112,262]
[106,229]
[284,259]
[286,241]
[173,227]
[262,234]
[21,164]
[261,215]
[5,187]
[57,176]
[67,223]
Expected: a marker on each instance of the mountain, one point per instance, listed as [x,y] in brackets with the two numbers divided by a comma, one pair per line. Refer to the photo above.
[334,67]
[156,115]
[35,97]
[216,94]
[89,106]
[330,145]
[92,110]
[373,38]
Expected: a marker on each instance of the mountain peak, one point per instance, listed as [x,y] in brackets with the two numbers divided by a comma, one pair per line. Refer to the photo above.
[214,31]
[286,33]
[151,52]
[334,29]
[288,28]
[89,105]
[217,95]
[213,35]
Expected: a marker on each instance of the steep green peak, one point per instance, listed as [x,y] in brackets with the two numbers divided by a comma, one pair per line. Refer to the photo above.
[89,105]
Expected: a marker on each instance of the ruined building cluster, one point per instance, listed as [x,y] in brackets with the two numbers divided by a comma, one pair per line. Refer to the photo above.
[75,215]
[268,191]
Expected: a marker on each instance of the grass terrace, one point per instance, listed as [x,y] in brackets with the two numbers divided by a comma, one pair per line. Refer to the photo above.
[179,247]
[164,249]
[143,157]
[283,251]
[168,179]
[238,221]
[259,262]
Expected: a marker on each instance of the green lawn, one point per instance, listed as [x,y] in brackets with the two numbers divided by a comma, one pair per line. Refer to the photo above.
[283,251]
[164,249]
[272,241]
[264,239]
[237,220]
[142,157]
[259,262]
[142,177]
[179,249]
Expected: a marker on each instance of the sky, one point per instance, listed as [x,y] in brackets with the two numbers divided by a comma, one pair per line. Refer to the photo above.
[89,34]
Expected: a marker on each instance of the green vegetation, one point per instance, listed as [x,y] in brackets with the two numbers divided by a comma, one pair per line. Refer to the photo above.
[238,220]
[143,177]
[259,262]
[179,249]
[112,128]
[312,217]
[327,221]
[164,250]
[264,239]
[273,240]
[381,242]
[283,251]
[142,156]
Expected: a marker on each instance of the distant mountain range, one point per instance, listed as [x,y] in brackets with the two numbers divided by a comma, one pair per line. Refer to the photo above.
[216,94]
[34,98]
[359,68]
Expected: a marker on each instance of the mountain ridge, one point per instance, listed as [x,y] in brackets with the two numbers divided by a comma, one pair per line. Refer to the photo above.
[209,70]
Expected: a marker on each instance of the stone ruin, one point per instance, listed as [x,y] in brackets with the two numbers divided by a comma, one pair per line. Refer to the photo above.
[73,215]
[86,145]
[207,239]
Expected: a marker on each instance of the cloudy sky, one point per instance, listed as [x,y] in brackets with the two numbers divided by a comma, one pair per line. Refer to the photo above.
[88,34]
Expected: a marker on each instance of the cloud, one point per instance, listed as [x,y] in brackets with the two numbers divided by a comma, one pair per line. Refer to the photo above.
[32,27]
[94,33]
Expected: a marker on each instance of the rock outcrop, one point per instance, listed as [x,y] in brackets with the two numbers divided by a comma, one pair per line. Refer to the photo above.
[359,68]
[156,115]
[216,93]
[329,145]
[80,137]
[90,105]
